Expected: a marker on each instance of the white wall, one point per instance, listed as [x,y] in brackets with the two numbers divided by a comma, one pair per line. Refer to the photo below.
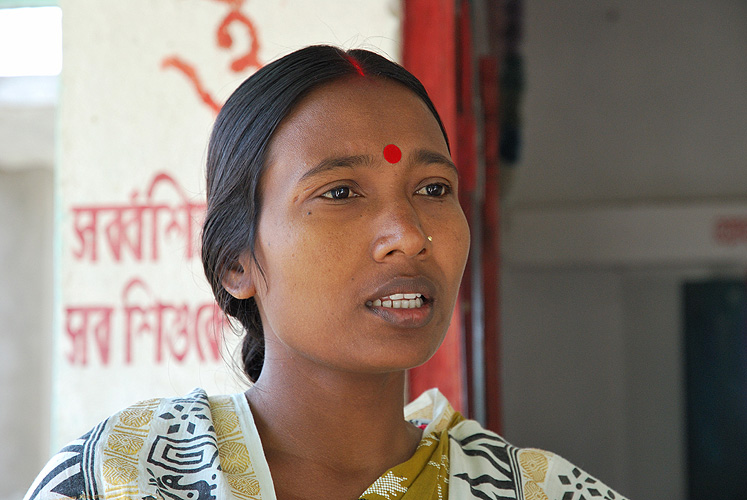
[133,137]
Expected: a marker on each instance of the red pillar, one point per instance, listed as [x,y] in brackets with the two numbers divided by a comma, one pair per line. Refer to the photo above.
[429,52]
[438,50]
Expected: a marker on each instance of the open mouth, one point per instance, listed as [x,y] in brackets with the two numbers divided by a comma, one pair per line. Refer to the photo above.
[399,301]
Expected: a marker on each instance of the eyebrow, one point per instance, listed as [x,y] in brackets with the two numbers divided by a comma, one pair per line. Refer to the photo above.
[419,156]
[428,157]
[338,162]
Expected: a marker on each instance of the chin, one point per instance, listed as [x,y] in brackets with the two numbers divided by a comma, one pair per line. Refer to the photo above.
[401,361]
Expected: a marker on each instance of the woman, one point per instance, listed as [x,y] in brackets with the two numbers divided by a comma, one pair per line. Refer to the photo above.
[334,236]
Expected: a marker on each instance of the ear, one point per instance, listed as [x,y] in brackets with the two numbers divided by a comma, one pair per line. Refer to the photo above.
[238,280]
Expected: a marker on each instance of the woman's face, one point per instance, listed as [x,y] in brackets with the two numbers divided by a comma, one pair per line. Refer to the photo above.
[345,231]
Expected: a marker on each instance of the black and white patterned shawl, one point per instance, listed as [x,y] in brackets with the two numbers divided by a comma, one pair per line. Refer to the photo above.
[200,448]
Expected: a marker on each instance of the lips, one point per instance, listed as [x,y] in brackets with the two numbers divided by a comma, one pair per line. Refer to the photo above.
[404,301]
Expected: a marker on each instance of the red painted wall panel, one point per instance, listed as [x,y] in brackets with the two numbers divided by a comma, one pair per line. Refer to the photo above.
[429,52]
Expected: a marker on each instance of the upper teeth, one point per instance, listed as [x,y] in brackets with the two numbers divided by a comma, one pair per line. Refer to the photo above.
[399,301]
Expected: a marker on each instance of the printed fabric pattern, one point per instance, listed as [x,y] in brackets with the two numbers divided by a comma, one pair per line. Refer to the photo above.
[484,466]
[190,448]
[201,448]
[425,476]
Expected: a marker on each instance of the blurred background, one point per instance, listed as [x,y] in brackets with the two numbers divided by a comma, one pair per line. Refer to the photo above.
[602,147]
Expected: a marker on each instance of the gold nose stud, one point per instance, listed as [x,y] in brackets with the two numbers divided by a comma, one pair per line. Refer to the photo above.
[430,238]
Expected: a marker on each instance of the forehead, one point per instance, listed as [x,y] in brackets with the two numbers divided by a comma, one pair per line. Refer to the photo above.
[356,116]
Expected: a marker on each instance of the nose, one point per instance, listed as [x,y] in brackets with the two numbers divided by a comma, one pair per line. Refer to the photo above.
[399,232]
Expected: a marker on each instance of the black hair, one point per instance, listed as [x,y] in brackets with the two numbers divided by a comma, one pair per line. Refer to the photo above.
[237,155]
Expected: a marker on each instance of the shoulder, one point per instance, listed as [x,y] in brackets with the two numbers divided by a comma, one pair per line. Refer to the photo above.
[484,463]
[70,473]
[115,449]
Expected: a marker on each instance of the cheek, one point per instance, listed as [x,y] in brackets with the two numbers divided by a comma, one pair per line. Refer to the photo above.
[305,257]
[453,241]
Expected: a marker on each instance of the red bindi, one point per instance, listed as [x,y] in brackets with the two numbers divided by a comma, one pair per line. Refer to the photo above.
[392,153]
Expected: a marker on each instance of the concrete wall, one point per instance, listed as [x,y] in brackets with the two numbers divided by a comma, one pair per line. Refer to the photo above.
[27,123]
[25,314]
[635,107]
[563,360]
[593,372]
[655,461]
[633,101]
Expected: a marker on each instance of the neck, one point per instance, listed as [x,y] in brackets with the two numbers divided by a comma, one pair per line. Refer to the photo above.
[340,420]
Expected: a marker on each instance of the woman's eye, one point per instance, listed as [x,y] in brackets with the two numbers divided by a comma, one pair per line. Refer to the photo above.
[339,193]
[436,190]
